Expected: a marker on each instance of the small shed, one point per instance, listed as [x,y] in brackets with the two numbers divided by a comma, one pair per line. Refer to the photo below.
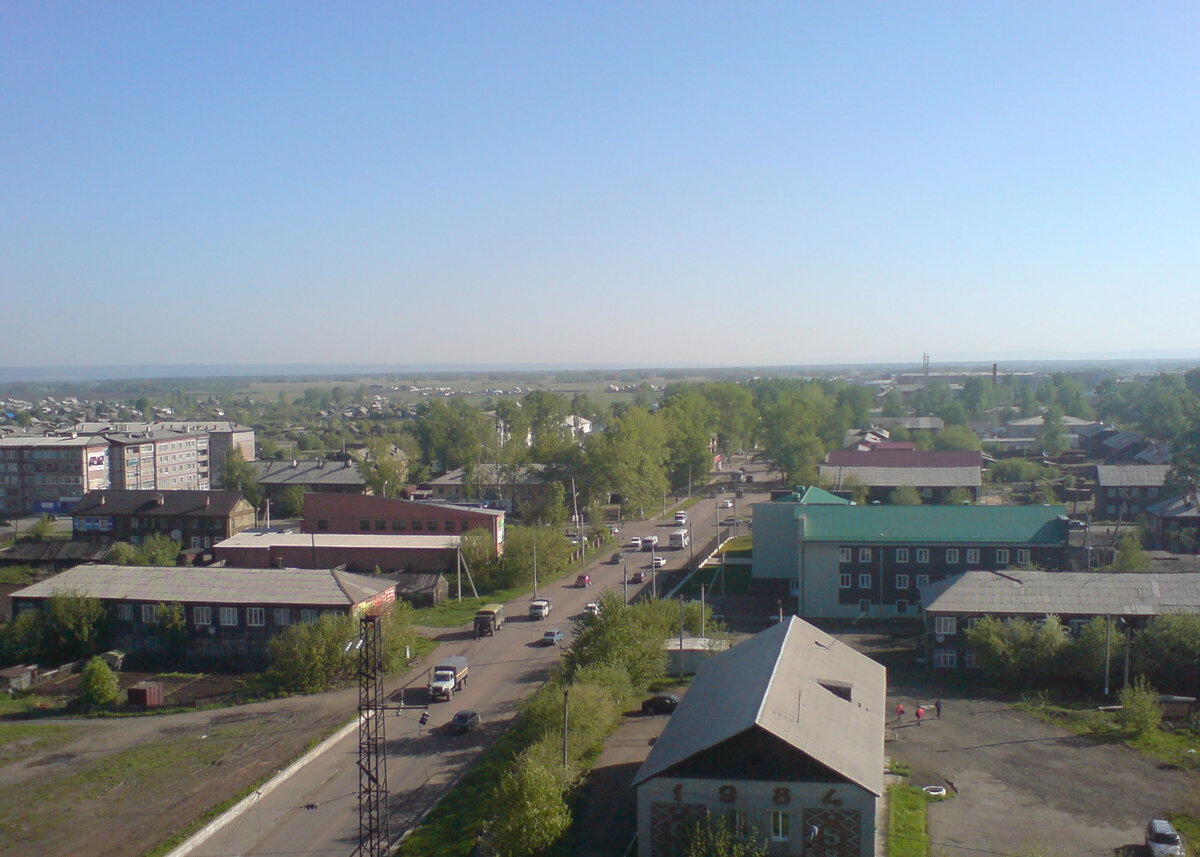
[685,659]
[1176,707]
[19,677]
[422,590]
[146,694]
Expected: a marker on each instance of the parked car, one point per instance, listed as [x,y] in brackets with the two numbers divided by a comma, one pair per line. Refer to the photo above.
[1074,524]
[638,577]
[1162,840]
[659,561]
[592,609]
[583,581]
[465,721]
[553,637]
[663,703]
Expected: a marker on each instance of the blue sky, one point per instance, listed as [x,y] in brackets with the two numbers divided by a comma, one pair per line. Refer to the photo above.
[640,184]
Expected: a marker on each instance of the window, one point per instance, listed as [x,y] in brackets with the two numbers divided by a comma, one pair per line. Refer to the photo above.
[1002,556]
[229,617]
[397,526]
[922,554]
[864,581]
[432,526]
[844,581]
[927,493]
[902,581]
[945,658]
[970,660]
[380,525]
[125,612]
[197,542]
[864,554]
[448,526]
[864,605]
[901,555]
[922,580]
[944,625]
[416,526]
[1077,626]
[365,526]
[309,616]
[901,606]
[322,524]
[952,555]
[201,615]
[793,586]
[1023,557]
[781,826]
[973,556]
[971,623]
[256,616]
[736,820]
[283,616]
[150,614]
[845,554]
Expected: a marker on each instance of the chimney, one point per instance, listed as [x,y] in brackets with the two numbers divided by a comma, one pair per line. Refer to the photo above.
[993,374]
[103,499]
[159,500]
[207,501]
[295,464]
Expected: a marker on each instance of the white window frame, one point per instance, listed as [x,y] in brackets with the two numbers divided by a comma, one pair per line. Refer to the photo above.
[952,556]
[864,581]
[901,555]
[902,581]
[864,605]
[923,555]
[149,614]
[229,617]
[946,659]
[781,826]
[845,580]
[283,616]
[845,554]
[309,616]
[864,554]
[922,580]
[1023,556]
[970,660]
[256,617]
[201,615]
[1077,626]
[970,624]
[972,556]
[947,626]
[125,612]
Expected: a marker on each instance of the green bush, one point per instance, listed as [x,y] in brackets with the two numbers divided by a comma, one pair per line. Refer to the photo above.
[534,812]
[1140,711]
[100,685]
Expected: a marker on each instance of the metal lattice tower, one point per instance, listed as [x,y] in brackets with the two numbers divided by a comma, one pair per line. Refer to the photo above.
[373,834]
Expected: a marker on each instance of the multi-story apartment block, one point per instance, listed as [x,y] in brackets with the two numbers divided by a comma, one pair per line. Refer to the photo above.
[223,436]
[159,461]
[49,474]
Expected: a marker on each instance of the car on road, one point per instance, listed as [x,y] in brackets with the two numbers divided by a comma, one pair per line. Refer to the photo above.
[638,577]
[465,721]
[740,494]
[1162,840]
[662,703]
[583,581]
[726,504]
[592,609]
[729,521]
[635,543]
[614,529]
[1074,524]
[659,561]
[553,637]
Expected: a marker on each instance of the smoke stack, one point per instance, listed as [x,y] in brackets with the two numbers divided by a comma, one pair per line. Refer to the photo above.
[993,374]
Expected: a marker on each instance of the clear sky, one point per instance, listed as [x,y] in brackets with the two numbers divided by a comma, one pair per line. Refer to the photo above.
[641,184]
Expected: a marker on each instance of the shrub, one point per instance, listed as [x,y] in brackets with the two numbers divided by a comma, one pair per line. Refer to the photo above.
[99,685]
[1140,712]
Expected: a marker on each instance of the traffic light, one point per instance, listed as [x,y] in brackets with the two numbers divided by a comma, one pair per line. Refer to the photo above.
[424,717]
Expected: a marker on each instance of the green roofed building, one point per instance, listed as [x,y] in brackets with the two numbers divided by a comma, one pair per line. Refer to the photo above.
[847,561]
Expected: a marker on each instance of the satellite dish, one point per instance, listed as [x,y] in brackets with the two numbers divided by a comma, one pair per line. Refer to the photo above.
[939,637]
[176,534]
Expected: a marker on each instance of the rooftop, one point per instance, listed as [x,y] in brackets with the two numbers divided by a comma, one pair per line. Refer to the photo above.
[258,539]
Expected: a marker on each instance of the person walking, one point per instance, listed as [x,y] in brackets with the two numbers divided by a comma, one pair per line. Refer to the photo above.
[899,712]
[920,715]
[937,706]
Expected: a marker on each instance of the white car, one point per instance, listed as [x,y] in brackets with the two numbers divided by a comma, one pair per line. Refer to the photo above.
[726,504]
[635,543]
[592,609]
[660,561]
[1162,840]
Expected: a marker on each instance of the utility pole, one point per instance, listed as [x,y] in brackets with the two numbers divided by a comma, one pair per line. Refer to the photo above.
[565,725]
[373,834]
[535,564]
[625,581]
[1107,628]
[702,612]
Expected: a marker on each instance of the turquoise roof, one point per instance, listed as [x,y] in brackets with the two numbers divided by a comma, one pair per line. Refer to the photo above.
[812,495]
[931,524]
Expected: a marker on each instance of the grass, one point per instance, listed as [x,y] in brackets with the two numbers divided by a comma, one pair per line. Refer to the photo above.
[907,833]
[20,740]
[737,582]
[899,769]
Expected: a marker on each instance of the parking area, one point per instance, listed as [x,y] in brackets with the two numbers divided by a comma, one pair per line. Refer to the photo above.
[1020,786]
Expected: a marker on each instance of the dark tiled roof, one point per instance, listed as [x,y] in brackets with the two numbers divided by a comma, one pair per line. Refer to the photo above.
[158,504]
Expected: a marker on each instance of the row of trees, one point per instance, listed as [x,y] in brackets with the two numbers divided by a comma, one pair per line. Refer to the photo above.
[1021,654]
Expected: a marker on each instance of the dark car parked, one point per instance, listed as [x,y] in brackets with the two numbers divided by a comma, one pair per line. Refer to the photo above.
[663,703]
[465,721]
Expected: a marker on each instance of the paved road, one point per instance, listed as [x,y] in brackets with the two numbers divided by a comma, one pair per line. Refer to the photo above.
[423,762]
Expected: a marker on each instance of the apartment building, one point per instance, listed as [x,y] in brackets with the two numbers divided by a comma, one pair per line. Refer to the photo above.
[159,460]
[48,475]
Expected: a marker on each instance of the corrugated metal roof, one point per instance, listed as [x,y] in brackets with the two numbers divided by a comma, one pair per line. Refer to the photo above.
[319,588]
[1131,475]
[307,473]
[1063,592]
[932,524]
[891,477]
[431,541]
[157,504]
[884,455]
[776,681]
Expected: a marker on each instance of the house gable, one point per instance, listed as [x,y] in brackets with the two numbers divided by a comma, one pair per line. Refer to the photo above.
[754,754]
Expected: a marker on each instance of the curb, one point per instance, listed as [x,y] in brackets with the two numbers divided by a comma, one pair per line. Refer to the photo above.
[238,809]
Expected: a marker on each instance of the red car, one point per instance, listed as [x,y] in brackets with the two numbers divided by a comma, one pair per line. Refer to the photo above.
[637,577]
[583,581]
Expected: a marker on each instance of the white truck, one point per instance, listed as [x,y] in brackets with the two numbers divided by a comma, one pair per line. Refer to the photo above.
[679,539]
[680,518]
[447,677]
[539,608]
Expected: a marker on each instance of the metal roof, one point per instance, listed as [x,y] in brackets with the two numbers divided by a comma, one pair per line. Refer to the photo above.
[319,588]
[1038,593]
[258,539]
[778,681]
[890,477]
[1183,506]
[54,442]
[307,473]
[885,455]
[158,504]
[933,524]
[1131,475]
